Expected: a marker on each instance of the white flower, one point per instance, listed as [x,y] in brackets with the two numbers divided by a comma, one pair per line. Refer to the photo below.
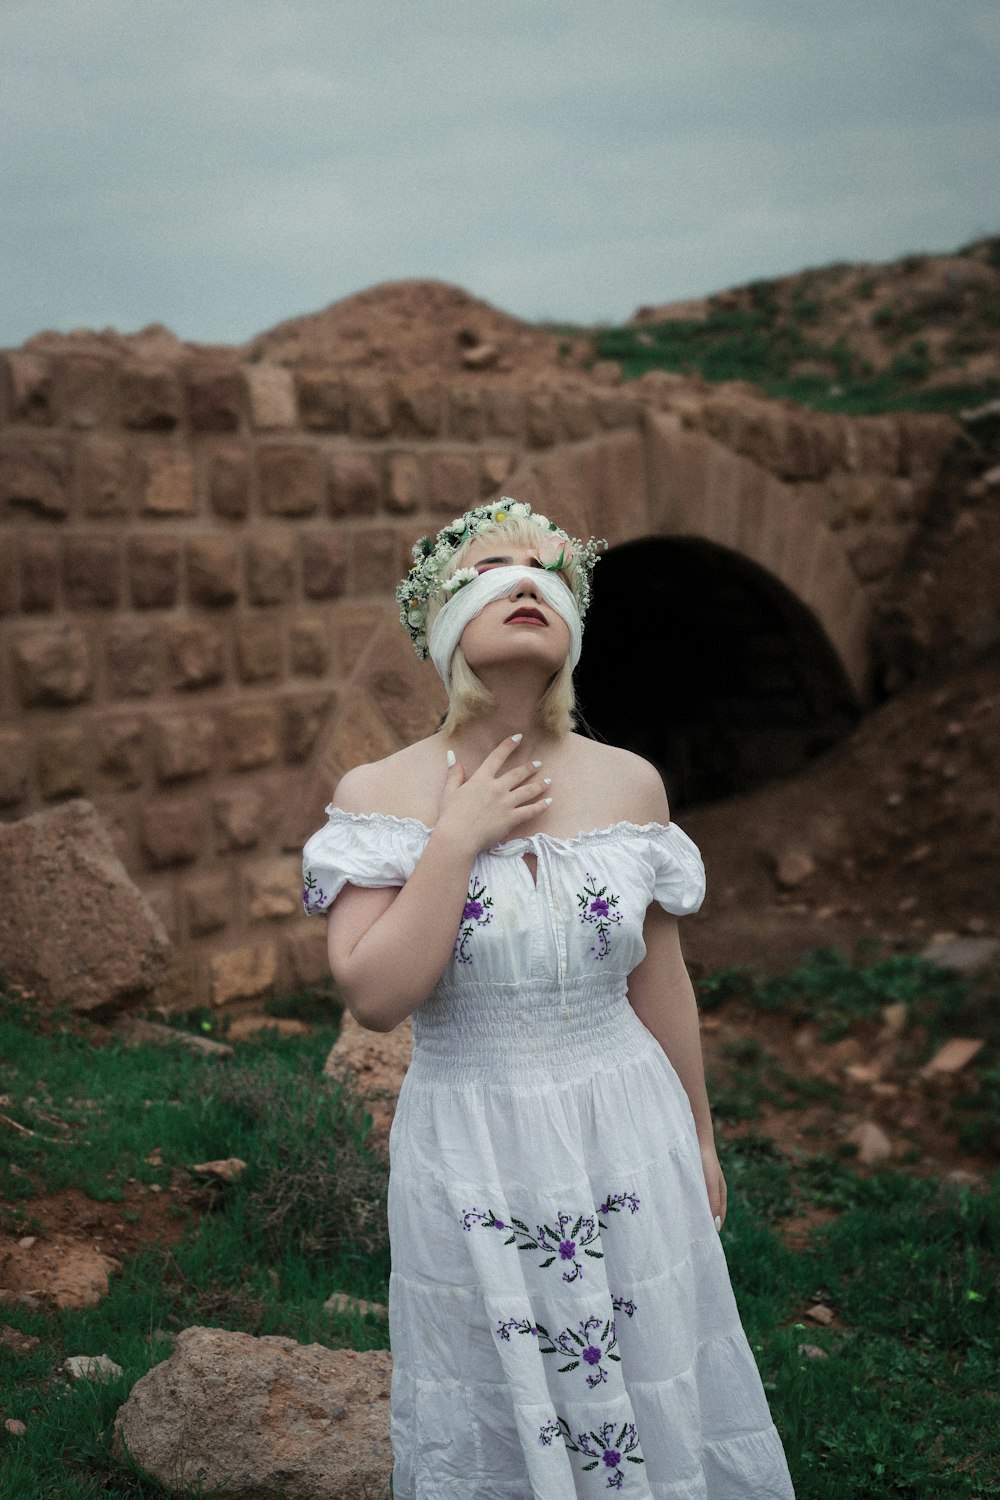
[460,577]
[519,510]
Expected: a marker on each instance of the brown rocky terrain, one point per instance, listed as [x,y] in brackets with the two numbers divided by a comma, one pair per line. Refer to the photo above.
[410,327]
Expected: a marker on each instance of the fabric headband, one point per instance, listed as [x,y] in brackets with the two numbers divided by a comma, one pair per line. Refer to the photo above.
[496,583]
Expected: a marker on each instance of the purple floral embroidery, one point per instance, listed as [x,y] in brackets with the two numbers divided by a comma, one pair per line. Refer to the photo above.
[625,1305]
[313,895]
[591,1343]
[605,1446]
[614,1203]
[565,1241]
[597,909]
[476,913]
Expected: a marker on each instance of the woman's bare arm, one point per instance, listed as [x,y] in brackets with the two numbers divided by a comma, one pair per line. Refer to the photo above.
[388,948]
[661,992]
[663,998]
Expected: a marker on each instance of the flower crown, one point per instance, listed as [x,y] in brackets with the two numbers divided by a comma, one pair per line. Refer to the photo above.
[425,580]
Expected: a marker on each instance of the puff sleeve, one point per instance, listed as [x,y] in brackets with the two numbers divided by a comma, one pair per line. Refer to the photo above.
[678,872]
[365,849]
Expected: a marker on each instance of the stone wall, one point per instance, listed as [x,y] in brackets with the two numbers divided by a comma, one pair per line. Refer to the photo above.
[197,563]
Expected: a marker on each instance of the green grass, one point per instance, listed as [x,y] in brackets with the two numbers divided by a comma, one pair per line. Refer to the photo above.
[905,1404]
[907,1401]
[760,346]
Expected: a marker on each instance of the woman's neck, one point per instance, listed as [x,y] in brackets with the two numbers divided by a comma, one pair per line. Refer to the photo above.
[513,711]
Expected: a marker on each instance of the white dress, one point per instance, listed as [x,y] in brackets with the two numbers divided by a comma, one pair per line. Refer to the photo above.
[561,1318]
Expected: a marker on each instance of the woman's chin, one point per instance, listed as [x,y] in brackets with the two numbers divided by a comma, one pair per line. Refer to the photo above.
[521,655]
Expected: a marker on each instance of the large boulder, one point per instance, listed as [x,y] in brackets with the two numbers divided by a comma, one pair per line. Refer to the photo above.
[261,1419]
[73,926]
[378,1061]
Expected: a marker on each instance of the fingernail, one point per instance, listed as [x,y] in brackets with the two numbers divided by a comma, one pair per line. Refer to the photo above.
[548,802]
[517,738]
[451,758]
[546,781]
[718,1224]
[536,764]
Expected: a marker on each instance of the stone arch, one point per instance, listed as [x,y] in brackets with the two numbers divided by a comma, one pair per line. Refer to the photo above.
[664,480]
[653,480]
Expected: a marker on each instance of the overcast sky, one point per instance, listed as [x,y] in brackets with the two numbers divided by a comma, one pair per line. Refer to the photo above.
[219,165]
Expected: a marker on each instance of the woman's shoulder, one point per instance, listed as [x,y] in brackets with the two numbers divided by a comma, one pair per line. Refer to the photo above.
[632,786]
[401,785]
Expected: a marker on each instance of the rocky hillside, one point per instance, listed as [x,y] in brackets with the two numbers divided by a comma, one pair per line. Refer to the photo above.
[925,323]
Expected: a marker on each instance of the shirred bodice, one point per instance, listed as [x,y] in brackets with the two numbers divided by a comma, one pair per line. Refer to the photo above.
[540,962]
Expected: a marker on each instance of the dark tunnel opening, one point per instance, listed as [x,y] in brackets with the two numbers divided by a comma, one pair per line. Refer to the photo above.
[708,666]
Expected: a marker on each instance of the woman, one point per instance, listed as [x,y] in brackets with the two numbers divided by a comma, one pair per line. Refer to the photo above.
[560,1311]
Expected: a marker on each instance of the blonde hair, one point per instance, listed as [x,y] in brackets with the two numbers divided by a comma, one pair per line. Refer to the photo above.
[468,696]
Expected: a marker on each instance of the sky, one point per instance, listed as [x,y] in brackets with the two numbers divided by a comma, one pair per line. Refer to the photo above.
[220,165]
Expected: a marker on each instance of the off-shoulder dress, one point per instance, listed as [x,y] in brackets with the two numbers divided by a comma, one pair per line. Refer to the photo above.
[561,1316]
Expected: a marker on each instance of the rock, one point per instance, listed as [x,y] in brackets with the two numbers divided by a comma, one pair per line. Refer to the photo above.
[135,1030]
[792,867]
[262,1417]
[28,1300]
[965,955]
[97,1367]
[886,1090]
[895,1017]
[229,1169]
[73,926]
[873,1144]
[863,1073]
[952,1056]
[480,357]
[14,1427]
[340,1302]
[58,1270]
[961,1177]
[246,1028]
[20,1343]
[820,1313]
[981,413]
[378,1060]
